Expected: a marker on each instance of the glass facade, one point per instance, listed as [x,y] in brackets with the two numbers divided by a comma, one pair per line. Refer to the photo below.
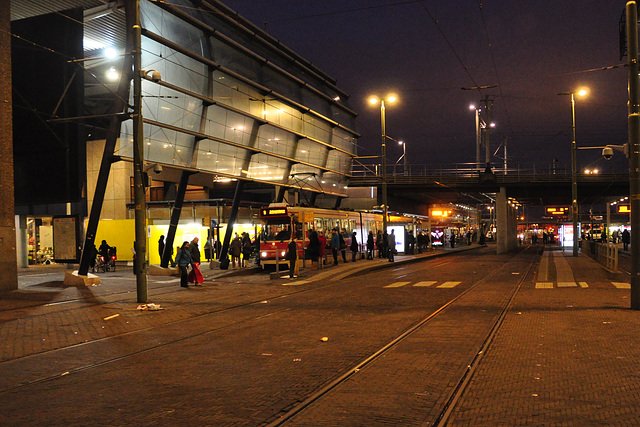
[235,103]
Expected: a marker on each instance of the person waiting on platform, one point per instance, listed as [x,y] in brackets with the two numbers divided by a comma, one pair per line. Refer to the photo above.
[354,247]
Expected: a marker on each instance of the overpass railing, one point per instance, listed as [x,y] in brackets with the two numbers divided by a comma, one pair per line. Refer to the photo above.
[461,172]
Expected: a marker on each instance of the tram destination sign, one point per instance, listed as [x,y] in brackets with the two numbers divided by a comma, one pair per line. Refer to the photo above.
[557,210]
[274,212]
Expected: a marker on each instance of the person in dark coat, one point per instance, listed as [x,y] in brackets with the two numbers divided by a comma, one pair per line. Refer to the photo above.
[292,256]
[391,246]
[354,247]
[370,245]
[161,246]
[313,248]
[183,259]
[247,248]
[626,239]
[235,250]
[104,250]
[343,246]
[195,250]
[335,245]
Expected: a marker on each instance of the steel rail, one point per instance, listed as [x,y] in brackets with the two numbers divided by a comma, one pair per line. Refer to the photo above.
[322,392]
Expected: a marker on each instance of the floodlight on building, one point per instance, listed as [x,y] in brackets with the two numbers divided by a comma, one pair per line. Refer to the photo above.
[110,53]
[112,74]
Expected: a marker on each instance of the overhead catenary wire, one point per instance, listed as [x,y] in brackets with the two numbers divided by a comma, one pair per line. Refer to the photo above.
[495,69]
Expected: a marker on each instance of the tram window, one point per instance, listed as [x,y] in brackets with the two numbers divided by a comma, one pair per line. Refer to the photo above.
[276,232]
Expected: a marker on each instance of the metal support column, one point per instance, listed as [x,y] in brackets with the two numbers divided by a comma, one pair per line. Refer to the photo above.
[175,218]
[634,150]
[139,197]
[574,179]
[282,190]
[113,132]
[224,259]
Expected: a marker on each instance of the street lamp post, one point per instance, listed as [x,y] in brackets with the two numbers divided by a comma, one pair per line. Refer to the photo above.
[574,168]
[385,207]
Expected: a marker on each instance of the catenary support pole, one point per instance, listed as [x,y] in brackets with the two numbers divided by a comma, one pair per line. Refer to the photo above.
[139,197]
[634,150]
[385,207]
[574,178]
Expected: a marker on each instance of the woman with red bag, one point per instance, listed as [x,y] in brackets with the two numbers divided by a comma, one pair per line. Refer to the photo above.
[195,276]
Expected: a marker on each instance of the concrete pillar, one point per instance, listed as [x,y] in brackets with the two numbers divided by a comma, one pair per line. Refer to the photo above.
[507,225]
[8,260]
[22,242]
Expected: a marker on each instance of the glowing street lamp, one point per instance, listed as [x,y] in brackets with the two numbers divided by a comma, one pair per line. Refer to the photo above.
[574,167]
[374,100]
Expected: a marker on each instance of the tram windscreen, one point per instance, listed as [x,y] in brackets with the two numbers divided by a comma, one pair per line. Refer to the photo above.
[280,230]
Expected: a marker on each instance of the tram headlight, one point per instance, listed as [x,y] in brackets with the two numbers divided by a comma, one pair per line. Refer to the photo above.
[263,254]
[283,253]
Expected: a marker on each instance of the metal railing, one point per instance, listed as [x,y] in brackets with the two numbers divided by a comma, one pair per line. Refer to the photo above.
[606,254]
[460,172]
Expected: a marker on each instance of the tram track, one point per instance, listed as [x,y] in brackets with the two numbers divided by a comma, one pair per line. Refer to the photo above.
[254,302]
[461,384]
[87,367]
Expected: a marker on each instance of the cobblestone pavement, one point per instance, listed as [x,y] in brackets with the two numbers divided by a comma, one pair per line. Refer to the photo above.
[565,353]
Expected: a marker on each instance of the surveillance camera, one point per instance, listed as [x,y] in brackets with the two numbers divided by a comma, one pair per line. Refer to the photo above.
[154,74]
[157,169]
[607,153]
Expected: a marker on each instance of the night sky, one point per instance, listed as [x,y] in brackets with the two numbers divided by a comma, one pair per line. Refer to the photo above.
[426,51]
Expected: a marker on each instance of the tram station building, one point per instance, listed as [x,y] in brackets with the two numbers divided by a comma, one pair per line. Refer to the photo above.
[229,112]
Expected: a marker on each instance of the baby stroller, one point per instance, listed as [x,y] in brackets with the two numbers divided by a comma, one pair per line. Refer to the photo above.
[112,259]
[108,264]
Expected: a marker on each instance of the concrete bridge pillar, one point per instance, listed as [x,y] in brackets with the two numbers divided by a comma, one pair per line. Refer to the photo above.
[506,223]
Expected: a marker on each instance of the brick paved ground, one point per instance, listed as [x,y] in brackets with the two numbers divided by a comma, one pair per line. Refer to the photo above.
[563,356]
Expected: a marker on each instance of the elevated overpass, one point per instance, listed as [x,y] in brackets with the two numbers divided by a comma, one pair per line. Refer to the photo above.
[462,185]
[467,186]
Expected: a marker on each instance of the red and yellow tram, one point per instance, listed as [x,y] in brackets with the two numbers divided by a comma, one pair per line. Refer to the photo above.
[280,222]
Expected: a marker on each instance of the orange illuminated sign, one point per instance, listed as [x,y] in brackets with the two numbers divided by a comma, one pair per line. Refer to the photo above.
[273,212]
[624,209]
[440,212]
[557,210]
